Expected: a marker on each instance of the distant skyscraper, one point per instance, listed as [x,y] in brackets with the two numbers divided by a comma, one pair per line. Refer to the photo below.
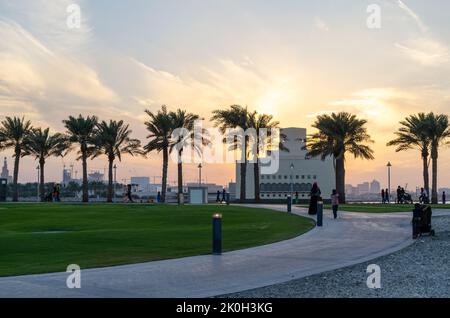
[5,172]
[375,187]
[364,188]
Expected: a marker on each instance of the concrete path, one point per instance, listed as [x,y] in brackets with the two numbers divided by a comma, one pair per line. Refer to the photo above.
[352,239]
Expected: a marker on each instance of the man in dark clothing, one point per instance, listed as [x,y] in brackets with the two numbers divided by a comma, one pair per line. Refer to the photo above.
[399,194]
[383,197]
[224,195]
[218,196]
[444,198]
[130,198]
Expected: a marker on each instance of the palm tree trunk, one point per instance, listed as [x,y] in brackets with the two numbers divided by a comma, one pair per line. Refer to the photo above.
[243,190]
[434,191]
[85,179]
[42,181]
[242,196]
[426,175]
[164,174]
[340,179]
[256,177]
[110,180]
[16,175]
[180,178]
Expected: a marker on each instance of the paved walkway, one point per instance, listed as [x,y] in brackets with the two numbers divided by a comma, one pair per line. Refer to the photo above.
[352,239]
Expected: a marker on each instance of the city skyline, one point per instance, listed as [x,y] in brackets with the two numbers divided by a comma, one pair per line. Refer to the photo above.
[290,62]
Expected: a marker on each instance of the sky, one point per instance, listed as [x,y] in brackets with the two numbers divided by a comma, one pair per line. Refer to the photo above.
[293,59]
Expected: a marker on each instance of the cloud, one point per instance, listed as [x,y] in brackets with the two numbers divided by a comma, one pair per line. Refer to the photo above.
[320,24]
[425,51]
[421,25]
[222,83]
[380,105]
[41,81]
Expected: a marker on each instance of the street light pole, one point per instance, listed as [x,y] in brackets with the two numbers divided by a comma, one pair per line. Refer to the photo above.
[200,174]
[389,166]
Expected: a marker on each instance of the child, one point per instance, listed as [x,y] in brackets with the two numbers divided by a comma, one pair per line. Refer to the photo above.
[335,203]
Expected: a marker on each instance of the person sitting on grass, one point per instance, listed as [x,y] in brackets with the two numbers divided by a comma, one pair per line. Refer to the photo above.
[335,203]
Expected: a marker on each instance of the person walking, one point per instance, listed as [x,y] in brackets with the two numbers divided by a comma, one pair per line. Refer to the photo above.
[399,194]
[224,195]
[388,196]
[158,197]
[383,197]
[335,203]
[444,198]
[315,195]
[218,196]
[129,197]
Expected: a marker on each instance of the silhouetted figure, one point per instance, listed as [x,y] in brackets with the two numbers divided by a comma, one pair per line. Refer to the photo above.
[444,198]
[58,193]
[399,194]
[315,195]
[423,199]
[383,197]
[218,196]
[158,197]
[224,195]
[335,203]
[129,197]
[388,196]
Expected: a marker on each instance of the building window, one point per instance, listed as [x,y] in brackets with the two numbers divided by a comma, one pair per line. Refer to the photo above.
[303,177]
[262,177]
[309,177]
[297,177]
[315,177]
[274,177]
[280,176]
[285,177]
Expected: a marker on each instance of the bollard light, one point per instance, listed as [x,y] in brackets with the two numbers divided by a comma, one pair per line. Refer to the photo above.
[320,213]
[289,204]
[217,234]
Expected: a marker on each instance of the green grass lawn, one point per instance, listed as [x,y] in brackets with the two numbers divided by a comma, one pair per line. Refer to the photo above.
[38,238]
[379,208]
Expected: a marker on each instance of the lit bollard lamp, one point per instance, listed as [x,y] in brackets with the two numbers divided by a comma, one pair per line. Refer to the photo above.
[217,234]
[289,204]
[320,213]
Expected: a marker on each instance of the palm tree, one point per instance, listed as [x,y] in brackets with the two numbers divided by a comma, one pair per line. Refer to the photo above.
[235,117]
[42,144]
[414,133]
[13,132]
[338,134]
[113,139]
[81,131]
[186,137]
[438,132]
[259,122]
[160,127]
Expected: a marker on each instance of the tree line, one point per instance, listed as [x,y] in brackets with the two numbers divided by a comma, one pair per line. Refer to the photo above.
[336,136]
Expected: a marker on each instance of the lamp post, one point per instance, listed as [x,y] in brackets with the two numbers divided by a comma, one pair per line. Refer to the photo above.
[199,174]
[389,166]
[38,168]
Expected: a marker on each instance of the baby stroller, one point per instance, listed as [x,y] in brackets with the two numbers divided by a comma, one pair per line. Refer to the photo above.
[407,198]
[422,221]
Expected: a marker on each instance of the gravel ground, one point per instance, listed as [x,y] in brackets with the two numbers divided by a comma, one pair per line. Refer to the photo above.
[420,270]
